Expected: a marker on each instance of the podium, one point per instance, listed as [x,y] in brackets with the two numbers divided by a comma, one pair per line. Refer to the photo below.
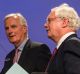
[39,73]
[16,69]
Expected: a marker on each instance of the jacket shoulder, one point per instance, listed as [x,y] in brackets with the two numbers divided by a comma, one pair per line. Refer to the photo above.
[36,44]
[72,45]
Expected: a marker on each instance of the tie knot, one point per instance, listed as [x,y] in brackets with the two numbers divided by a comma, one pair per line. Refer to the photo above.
[54,51]
[17,50]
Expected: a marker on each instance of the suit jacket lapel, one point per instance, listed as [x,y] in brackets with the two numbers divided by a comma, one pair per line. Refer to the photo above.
[25,49]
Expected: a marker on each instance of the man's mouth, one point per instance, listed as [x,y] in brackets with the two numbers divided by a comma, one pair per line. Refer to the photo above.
[11,36]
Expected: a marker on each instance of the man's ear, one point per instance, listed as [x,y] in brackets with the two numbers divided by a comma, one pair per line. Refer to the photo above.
[65,22]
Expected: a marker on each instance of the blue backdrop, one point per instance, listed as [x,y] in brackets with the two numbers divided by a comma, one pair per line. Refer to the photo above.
[35,12]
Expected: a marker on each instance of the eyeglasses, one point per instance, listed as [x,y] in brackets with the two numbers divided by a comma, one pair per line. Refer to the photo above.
[49,20]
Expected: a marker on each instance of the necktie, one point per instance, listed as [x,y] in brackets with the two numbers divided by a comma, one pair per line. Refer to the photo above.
[52,57]
[54,52]
[17,55]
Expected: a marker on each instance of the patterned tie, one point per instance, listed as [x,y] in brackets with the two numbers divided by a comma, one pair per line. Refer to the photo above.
[17,55]
[52,57]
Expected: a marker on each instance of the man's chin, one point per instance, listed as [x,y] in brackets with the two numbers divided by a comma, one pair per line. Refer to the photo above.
[13,42]
[49,37]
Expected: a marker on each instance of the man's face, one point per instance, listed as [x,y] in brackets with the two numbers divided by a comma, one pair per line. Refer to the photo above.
[14,30]
[53,25]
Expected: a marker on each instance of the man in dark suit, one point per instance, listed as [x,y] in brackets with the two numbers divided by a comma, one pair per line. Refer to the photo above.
[61,26]
[31,56]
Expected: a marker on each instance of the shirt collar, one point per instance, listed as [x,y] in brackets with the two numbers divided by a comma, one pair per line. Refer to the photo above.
[23,44]
[63,38]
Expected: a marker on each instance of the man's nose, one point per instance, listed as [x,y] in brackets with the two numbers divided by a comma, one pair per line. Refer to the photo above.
[45,25]
[9,31]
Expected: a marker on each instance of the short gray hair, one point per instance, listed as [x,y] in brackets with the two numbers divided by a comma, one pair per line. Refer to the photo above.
[65,11]
[19,15]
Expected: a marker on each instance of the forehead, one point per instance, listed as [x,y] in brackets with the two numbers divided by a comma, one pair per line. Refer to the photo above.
[12,19]
[52,15]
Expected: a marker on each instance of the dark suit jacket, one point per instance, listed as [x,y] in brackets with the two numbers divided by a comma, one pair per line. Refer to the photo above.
[67,58]
[34,57]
